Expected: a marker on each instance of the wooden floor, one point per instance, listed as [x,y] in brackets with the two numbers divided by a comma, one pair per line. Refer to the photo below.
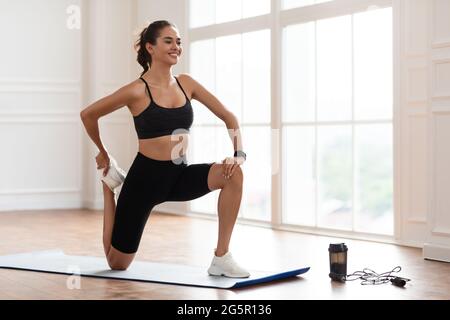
[190,241]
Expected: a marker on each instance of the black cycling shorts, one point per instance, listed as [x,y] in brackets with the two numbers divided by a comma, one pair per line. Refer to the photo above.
[150,182]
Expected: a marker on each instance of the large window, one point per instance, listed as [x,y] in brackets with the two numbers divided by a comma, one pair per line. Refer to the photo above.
[335,109]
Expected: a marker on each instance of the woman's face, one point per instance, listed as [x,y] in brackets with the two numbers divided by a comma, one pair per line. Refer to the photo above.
[168,46]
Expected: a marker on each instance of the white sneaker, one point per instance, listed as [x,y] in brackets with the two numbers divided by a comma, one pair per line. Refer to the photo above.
[226,266]
[115,176]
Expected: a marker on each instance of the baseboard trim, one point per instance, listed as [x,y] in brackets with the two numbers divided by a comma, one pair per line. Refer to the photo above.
[436,252]
[40,205]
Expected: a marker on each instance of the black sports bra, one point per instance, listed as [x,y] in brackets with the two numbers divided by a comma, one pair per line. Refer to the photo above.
[156,121]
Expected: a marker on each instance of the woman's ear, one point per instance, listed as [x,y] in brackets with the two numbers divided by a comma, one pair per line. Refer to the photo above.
[149,47]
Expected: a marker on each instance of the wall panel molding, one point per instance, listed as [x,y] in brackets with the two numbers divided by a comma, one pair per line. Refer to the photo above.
[437,240]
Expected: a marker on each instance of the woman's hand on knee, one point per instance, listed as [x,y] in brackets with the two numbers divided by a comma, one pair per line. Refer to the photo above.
[230,164]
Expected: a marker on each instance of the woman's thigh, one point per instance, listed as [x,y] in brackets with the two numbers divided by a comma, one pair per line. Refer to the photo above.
[197,180]
[146,185]
[192,183]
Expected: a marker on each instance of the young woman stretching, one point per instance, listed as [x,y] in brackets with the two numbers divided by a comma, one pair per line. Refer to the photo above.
[160,105]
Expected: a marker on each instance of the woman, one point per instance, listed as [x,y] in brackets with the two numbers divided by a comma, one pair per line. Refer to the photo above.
[162,114]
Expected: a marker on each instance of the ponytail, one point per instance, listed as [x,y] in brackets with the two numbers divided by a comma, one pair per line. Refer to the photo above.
[143,57]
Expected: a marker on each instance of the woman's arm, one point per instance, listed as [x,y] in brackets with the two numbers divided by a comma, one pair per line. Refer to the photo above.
[102,107]
[201,94]
[90,115]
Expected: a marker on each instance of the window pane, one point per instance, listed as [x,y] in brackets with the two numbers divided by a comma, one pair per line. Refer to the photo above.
[202,69]
[288,4]
[229,73]
[256,76]
[256,198]
[202,148]
[334,69]
[202,13]
[253,8]
[373,64]
[334,177]
[298,189]
[228,10]
[298,83]
[374,178]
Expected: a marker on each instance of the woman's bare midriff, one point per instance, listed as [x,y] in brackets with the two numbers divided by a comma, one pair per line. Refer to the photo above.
[164,148]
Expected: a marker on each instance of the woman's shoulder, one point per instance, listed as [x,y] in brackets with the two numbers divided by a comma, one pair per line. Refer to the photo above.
[134,89]
[134,92]
[185,77]
[187,82]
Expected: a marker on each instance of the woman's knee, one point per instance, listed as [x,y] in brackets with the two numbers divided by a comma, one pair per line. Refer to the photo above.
[118,260]
[119,266]
[237,178]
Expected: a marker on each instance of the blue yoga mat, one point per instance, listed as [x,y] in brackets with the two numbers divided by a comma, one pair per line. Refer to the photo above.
[55,261]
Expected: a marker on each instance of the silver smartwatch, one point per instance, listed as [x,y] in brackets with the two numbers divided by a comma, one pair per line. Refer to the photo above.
[240,153]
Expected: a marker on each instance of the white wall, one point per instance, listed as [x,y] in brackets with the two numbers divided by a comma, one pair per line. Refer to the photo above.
[40,97]
[424,100]
[413,166]
[437,244]
[49,72]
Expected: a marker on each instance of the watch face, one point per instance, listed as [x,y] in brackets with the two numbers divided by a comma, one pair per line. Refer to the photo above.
[240,153]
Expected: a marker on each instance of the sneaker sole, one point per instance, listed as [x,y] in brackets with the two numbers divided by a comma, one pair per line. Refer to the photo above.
[213,271]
